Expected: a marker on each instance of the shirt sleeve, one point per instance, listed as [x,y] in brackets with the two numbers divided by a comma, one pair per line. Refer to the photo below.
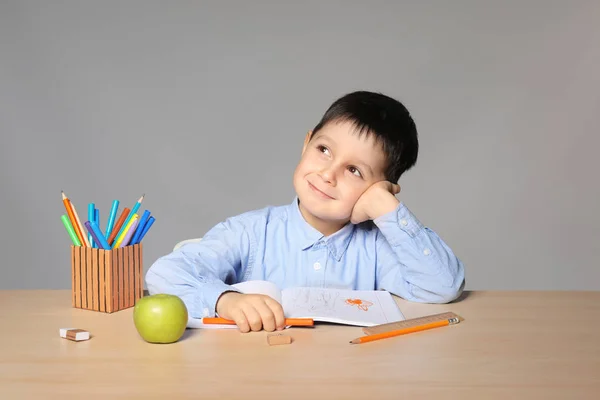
[413,262]
[199,273]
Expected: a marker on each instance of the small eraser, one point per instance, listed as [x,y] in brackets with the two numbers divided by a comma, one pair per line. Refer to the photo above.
[74,334]
[278,338]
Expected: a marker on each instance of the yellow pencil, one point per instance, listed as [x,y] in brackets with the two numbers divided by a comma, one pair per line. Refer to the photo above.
[124,232]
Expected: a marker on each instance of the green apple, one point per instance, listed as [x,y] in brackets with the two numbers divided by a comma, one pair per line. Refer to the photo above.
[160,318]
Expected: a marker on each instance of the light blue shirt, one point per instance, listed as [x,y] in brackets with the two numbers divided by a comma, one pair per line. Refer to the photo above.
[395,252]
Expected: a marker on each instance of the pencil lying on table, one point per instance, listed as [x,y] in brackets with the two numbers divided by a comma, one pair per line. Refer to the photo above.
[288,321]
[385,335]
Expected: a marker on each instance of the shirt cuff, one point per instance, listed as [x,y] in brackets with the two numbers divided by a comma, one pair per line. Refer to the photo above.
[401,218]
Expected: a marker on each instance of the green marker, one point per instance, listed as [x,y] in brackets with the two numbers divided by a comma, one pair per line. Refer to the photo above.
[70,230]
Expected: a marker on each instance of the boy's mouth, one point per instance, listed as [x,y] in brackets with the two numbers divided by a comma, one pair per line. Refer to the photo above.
[319,192]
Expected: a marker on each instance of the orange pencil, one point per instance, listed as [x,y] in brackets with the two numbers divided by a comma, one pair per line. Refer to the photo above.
[117,226]
[399,332]
[74,221]
[288,321]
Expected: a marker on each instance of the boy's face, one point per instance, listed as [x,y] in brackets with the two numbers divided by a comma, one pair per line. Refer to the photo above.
[336,168]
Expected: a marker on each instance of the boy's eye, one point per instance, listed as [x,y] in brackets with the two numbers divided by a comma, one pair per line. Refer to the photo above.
[323,149]
[355,171]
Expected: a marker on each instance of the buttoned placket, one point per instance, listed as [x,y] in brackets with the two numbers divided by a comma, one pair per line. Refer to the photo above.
[317,264]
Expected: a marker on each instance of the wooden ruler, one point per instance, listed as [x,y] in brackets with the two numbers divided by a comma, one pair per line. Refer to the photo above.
[394,326]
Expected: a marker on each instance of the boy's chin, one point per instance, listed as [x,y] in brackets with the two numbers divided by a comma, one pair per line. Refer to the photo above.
[326,212]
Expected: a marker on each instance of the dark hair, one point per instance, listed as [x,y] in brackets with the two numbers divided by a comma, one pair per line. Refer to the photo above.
[382,116]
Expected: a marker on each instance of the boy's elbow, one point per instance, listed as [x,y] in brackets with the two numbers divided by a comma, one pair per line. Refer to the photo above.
[158,278]
[452,293]
[439,295]
[154,282]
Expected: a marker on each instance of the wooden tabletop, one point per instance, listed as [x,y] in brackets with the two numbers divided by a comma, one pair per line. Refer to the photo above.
[510,345]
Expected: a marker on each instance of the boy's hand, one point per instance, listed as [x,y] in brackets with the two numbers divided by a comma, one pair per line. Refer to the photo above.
[251,311]
[377,200]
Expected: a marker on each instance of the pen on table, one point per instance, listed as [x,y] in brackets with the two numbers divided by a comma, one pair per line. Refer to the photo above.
[136,206]
[129,232]
[111,217]
[118,225]
[74,218]
[69,227]
[120,238]
[146,229]
[398,332]
[99,238]
[288,321]
[91,208]
[140,227]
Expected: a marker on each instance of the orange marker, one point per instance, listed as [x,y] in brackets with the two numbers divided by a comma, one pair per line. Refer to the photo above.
[385,335]
[74,221]
[288,321]
[117,226]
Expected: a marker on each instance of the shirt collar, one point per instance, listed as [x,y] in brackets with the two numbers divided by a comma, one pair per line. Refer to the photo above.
[308,236]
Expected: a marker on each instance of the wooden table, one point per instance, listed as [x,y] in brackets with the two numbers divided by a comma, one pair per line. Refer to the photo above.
[511,345]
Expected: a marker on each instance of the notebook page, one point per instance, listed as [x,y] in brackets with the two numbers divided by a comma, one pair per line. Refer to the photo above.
[350,307]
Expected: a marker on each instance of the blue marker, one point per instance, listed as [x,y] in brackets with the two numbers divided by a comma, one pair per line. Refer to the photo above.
[97,217]
[91,212]
[140,227]
[94,230]
[111,217]
[146,228]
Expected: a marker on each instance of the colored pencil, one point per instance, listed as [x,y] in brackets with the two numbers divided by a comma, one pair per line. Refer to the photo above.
[129,232]
[288,321]
[70,230]
[385,335]
[136,206]
[120,238]
[86,242]
[140,227]
[72,213]
[120,221]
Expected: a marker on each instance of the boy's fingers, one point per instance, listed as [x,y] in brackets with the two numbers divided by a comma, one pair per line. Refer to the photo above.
[253,318]
[240,320]
[277,312]
[267,317]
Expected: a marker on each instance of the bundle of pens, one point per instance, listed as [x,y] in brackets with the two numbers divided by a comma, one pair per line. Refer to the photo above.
[129,228]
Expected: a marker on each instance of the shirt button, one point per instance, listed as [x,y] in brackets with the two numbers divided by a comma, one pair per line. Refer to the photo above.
[317,266]
[427,252]
[404,222]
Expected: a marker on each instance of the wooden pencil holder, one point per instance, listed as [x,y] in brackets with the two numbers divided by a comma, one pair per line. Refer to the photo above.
[106,280]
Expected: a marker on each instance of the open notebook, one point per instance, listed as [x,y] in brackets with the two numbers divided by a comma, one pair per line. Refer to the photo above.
[341,306]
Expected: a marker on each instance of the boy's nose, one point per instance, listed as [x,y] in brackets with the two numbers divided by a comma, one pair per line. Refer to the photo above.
[328,175]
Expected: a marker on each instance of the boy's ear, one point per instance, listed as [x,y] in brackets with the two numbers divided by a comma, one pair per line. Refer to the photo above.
[306,140]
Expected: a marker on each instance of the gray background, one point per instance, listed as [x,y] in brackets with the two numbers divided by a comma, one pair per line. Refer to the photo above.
[203,106]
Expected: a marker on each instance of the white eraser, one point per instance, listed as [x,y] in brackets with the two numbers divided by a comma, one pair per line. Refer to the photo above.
[74,334]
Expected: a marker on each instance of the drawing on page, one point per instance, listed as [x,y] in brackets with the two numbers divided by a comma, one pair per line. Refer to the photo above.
[316,301]
[360,304]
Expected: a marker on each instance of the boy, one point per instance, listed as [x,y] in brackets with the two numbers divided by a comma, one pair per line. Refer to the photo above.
[345,228]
